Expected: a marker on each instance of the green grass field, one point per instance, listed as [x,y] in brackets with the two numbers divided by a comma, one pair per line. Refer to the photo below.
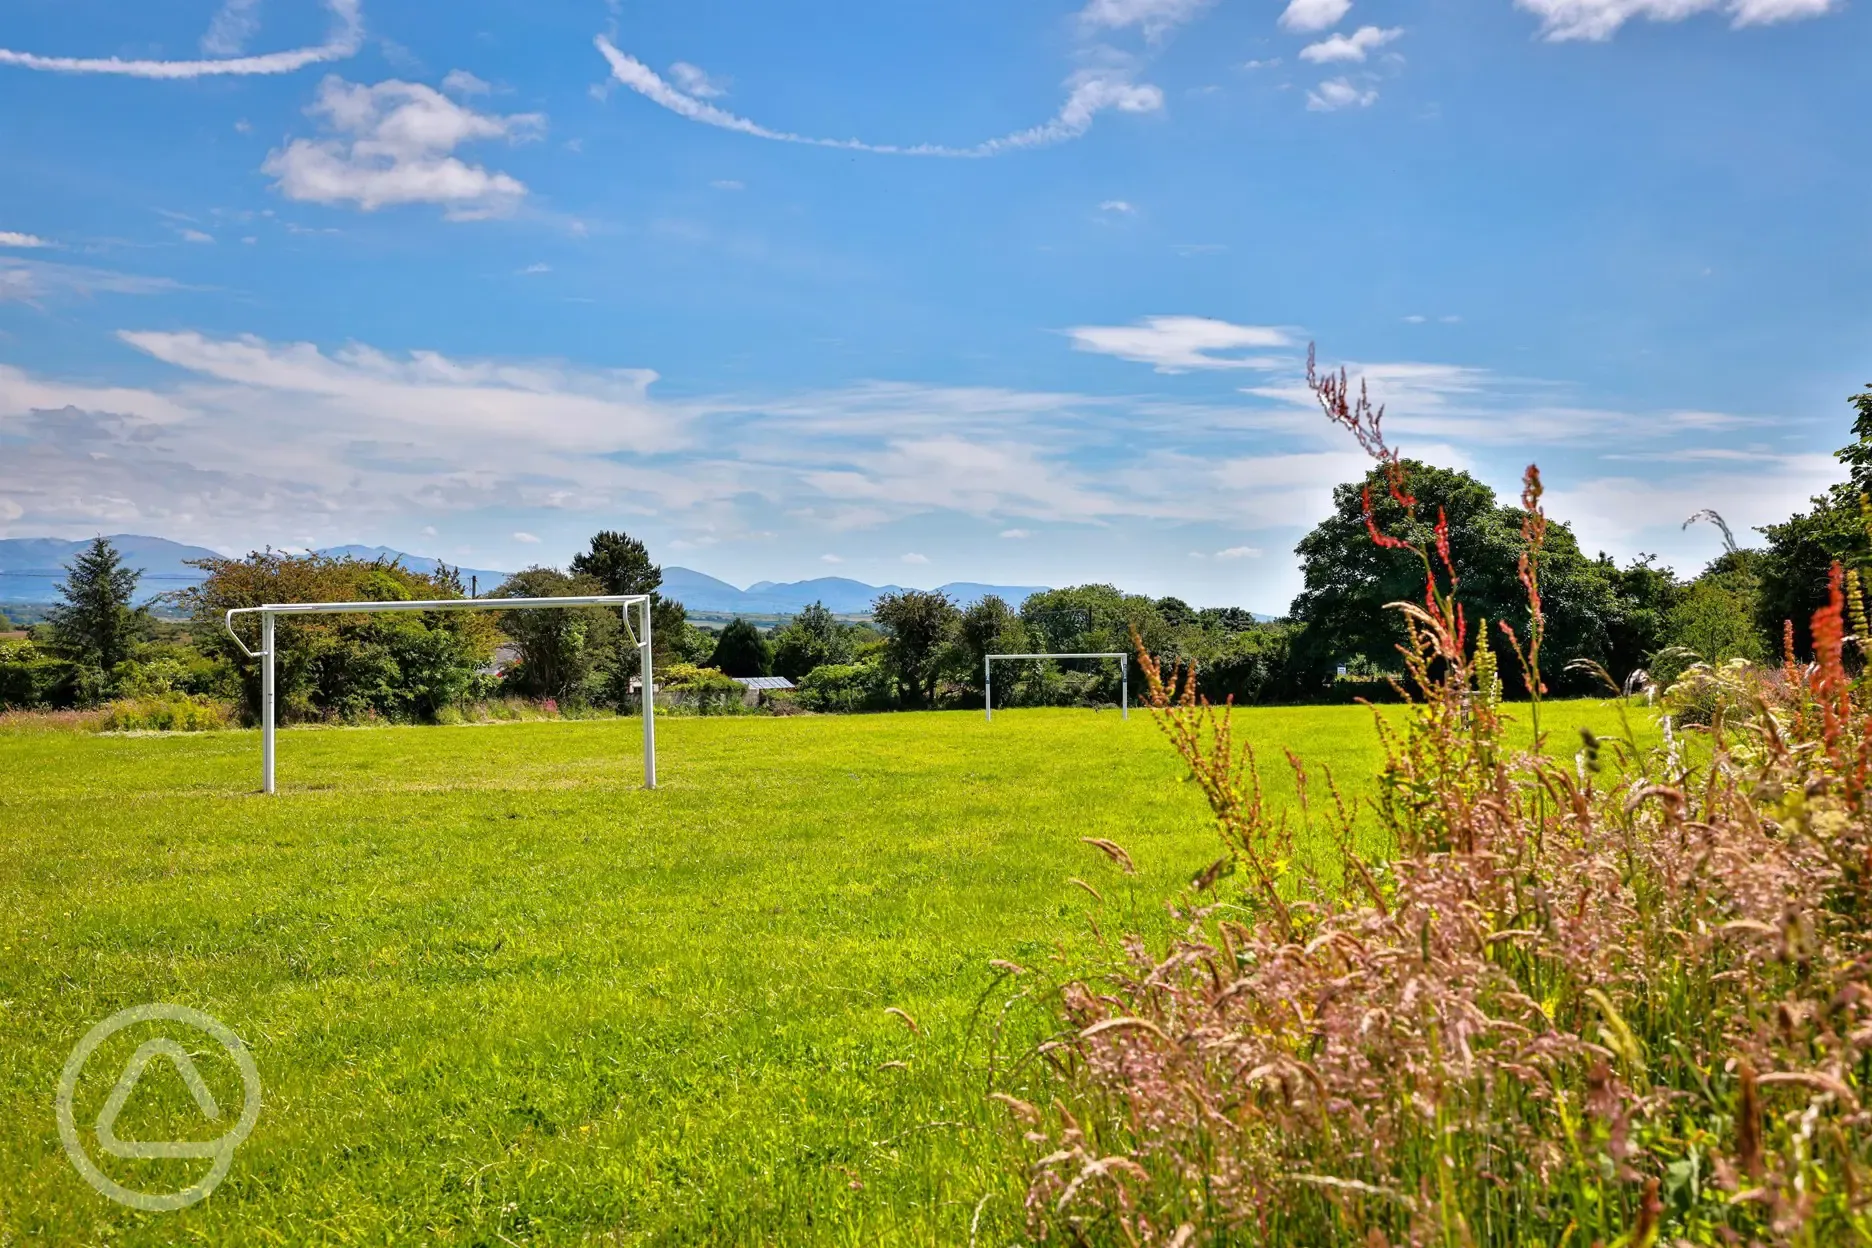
[498,994]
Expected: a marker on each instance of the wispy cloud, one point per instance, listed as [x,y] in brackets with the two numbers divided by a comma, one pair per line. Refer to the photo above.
[1176,344]
[10,239]
[1089,93]
[1119,206]
[28,281]
[1601,19]
[1307,16]
[1353,47]
[346,38]
[394,143]
[1154,17]
[232,27]
[1337,93]
[693,80]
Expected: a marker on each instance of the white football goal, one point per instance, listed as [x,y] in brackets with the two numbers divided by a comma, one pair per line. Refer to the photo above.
[271,611]
[1124,676]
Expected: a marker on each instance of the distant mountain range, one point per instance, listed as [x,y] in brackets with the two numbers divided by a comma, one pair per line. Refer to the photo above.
[841,595]
[32,567]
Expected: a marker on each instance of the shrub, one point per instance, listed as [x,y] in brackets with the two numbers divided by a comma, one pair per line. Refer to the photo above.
[29,678]
[1624,998]
[167,712]
[847,687]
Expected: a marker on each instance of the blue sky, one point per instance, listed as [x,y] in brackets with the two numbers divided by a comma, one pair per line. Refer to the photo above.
[919,292]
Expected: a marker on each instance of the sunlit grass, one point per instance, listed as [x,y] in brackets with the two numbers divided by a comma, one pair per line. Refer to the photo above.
[498,993]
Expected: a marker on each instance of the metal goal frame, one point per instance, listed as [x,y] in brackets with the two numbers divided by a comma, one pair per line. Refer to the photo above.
[1124,677]
[272,610]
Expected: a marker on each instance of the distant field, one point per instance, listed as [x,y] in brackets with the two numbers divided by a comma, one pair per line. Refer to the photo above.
[497,993]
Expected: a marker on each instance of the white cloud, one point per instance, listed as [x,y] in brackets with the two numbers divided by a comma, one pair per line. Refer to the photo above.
[10,239]
[1337,93]
[461,82]
[1601,19]
[536,268]
[231,28]
[28,280]
[526,538]
[830,559]
[1091,92]
[394,144]
[196,236]
[1239,552]
[1123,207]
[692,80]
[728,184]
[1016,534]
[1307,16]
[432,394]
[1269,63]
[915,558]
[1175,344]
[343,42]
[1155,17]
[1353,47]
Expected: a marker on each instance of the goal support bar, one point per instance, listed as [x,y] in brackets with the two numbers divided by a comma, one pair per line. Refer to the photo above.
[1124,677]
[269,612]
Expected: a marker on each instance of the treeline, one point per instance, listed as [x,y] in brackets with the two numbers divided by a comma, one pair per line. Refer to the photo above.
[921,650]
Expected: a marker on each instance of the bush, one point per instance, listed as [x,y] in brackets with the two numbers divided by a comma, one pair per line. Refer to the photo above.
[700,688]
[30,678]
[167,712]
[847,687]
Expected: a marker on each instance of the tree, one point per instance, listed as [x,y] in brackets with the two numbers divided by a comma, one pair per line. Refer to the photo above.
[813,638]
[742,650]
[1802,549]
[619,563]
[1350,580]
[991,626]
[1644,594]
[917,625]
[93,621]
[397,666]
[560,648]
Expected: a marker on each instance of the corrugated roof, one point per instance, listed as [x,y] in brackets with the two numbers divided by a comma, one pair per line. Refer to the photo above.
[763,682]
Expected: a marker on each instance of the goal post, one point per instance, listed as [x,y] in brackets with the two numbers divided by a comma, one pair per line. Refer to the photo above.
[1124,677]
[271,611]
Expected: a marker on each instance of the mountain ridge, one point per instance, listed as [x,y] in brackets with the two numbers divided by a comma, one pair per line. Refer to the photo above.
[32,567]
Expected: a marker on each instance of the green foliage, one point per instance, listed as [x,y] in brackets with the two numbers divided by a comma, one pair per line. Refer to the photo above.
[917,626]
[991,626]
[742,650]
[1349,579]
[1858,456]
[847,687]
[1798,557]
[619,563]
[813,638]
[93,622]
[396,666]
[32,678]
[705,689]
[560,648]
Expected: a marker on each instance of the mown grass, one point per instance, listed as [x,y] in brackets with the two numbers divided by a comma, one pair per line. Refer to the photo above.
[497,993]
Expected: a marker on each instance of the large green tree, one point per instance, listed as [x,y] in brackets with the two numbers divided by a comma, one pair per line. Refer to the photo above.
[93,621]
[618,562]
[1350,580]
[560,648]
[813,638]
[1802,549]
[917,627]
[742,650]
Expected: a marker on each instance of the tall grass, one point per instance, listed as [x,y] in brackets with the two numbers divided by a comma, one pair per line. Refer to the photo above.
[1619,999]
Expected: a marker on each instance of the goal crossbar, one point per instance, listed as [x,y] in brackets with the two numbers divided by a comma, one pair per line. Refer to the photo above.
[269,611]
[1124,676]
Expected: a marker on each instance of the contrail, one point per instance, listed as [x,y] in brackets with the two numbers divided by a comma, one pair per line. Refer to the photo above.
[1092,93]
[344,42]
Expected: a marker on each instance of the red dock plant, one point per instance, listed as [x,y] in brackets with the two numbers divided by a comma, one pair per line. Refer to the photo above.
[1621,999]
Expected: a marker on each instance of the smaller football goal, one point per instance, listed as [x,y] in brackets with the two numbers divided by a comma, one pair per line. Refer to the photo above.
[1124,677]
[271,611]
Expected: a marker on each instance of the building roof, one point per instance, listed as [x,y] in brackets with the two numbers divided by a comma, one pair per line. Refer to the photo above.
[762,682]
